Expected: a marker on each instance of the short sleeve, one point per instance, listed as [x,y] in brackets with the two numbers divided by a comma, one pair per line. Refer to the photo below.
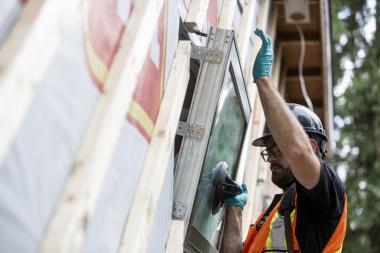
[326,198]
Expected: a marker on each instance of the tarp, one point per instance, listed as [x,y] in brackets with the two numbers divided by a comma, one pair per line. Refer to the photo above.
[118,190]
[10,11]
[35,167]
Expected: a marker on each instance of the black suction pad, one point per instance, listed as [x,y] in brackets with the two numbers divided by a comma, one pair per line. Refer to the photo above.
[218,176]
[222,187]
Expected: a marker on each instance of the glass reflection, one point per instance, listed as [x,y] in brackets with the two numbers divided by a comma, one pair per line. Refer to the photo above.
[224,145]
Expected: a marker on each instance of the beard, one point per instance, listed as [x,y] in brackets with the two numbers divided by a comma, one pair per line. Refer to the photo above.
[282,177]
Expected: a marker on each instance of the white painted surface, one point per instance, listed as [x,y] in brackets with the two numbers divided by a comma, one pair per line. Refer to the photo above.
[160,232]
[36,165]
[107,224]
[9,11]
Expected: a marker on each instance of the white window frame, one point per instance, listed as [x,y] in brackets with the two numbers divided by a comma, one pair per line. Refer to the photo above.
[202,112]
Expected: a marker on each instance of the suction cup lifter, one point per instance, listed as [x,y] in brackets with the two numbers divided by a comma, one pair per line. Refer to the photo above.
[222,187]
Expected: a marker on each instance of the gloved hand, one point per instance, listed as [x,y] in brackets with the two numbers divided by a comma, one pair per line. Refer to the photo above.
[240,199]
[264,58]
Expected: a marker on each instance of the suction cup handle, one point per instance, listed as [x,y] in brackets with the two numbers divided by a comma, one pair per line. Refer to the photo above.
[230,189]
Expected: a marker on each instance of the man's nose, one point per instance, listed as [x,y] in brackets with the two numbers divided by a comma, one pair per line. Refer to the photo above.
[271,158]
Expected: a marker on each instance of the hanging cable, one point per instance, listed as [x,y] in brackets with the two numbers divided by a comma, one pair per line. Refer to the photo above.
[300,69]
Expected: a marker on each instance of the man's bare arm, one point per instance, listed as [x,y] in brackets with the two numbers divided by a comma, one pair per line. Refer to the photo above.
[232,239]
[289,135]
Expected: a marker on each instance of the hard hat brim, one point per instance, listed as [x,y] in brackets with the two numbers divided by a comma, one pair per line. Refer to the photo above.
[261,141]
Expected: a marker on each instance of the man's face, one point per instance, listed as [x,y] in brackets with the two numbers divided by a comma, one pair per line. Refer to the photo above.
[282,175]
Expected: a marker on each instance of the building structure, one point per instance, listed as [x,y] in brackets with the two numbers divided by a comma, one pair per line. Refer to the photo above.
[113,114]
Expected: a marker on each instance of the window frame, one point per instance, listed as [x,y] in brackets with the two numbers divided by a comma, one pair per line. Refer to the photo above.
[202,112]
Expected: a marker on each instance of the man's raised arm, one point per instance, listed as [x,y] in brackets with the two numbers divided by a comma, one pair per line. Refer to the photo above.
[287,132]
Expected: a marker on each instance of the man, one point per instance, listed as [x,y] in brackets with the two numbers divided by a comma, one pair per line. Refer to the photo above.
[311,214]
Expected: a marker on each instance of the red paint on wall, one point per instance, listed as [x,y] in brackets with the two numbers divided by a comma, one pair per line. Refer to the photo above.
[105,29]
[104,33]
[150,83]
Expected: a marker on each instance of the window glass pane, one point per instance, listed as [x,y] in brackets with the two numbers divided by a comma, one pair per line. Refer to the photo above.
[224,145]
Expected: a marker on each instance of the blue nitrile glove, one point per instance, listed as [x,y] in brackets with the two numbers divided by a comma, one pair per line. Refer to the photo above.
[240,199]
[264,58]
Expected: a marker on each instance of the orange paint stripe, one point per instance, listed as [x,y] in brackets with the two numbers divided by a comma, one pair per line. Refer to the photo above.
[137,112]
[97,67]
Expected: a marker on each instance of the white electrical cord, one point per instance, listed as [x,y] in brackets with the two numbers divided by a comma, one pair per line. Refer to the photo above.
[300,69]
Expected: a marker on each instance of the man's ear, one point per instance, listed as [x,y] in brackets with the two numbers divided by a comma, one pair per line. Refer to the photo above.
[314,144]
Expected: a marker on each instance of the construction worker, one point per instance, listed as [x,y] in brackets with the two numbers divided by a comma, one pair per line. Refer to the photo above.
[310,216]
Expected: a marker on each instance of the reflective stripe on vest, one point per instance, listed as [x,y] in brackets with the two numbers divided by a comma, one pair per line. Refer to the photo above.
[258,241]
[335,243]
[276,237]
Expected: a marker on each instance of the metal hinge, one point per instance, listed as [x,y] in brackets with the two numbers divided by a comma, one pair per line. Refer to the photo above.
[179,210]
[212,55]
[190,130]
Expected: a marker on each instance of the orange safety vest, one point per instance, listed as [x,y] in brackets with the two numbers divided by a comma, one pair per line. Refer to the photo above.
[262,241]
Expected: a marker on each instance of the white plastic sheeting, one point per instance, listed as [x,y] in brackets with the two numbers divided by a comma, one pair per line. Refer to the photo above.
[9,10]
[161,227]
[35,168]
[118,190]
[106,227]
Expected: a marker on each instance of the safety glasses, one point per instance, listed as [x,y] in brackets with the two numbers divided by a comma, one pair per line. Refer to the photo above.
[270,151]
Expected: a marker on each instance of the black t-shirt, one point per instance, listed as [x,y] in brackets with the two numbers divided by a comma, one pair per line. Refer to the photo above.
[319,211]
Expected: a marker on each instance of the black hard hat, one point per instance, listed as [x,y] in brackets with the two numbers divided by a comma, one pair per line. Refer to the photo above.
[308,119]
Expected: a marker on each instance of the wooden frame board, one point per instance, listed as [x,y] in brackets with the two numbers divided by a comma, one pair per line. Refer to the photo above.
[256,123]
[176,237]
[326,71]
[227,14]
[144,205]
[197,15]
[245,31]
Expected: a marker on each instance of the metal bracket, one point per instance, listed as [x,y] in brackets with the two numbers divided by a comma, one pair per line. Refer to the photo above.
[179,210]
[190,130]
[212,55]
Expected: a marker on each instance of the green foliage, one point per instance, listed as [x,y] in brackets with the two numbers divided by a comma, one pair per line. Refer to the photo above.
[357,113]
